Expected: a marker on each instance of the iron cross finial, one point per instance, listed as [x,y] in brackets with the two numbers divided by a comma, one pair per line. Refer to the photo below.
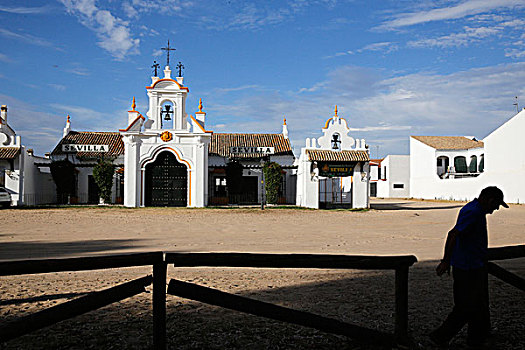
[155,66]
[180,67]
[168,49]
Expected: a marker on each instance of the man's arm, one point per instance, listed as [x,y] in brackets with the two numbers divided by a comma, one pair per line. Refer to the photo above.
[444,265]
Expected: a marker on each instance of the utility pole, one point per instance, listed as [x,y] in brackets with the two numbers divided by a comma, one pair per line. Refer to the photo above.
[516,104]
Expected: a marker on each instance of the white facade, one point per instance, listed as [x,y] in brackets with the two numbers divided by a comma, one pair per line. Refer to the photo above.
[336,149]
[25,181]
[504,166]
[395,177]
[146,139]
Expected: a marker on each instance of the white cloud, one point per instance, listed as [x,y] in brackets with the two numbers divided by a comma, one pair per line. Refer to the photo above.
[167,7]
[28,38]
[383,46]
[26,10]
[5,58]
[113,33]
[238,88]
[385,111]
[515,53]
[78,71]
[463,9]
[58,87]
[468,36]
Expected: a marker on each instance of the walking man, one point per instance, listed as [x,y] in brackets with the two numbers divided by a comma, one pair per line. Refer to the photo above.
[466,251]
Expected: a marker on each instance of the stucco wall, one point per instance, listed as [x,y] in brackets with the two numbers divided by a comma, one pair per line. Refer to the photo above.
[504,167]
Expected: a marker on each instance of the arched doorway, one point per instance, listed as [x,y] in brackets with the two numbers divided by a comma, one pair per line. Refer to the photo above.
[166,182]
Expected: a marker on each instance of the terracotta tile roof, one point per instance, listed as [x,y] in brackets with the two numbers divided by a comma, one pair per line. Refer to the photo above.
[9,152]
[113,139]
[337,156]
[449,142]
[220,144]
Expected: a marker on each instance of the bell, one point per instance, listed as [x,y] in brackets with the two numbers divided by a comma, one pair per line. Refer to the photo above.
[167,111]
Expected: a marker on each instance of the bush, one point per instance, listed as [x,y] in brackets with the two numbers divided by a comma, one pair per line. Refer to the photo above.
[272,181]
[103,176]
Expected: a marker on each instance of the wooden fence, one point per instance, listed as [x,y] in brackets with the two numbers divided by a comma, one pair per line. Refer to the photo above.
[95,300]
[211,296]
[159,261]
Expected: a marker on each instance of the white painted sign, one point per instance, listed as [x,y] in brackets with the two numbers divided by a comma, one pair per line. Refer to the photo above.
[84,148]
[248,150]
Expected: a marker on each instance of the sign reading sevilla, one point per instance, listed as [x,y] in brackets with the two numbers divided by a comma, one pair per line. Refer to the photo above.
[73,148]
[335,169]
[248,150]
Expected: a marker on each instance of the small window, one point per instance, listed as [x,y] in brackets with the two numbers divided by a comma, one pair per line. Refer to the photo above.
[440,162]
[399,185]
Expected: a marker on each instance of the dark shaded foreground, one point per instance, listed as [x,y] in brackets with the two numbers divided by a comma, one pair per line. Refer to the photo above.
[362,297]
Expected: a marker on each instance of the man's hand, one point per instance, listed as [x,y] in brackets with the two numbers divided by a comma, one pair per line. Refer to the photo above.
[443,267]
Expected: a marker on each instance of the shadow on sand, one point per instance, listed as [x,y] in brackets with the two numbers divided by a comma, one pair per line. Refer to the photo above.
[411,206]
[364,298]
[41,250]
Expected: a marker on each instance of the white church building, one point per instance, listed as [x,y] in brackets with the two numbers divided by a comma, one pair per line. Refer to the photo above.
[333,170]
[165,156]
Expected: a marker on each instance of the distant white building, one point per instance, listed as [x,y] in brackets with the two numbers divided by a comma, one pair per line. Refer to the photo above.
[458,168]
[27,183]
[333,171]
[390,177]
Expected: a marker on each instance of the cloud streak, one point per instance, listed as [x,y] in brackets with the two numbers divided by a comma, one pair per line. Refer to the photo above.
[463,9]
[26,10]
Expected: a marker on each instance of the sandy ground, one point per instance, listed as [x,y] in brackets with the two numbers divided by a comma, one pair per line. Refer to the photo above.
[362,297]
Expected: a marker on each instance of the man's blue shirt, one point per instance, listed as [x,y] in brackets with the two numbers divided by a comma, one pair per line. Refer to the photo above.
[470,250]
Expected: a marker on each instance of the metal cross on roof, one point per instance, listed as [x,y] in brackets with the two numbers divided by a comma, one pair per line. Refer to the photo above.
[155,66]
[168,49]
[180,67]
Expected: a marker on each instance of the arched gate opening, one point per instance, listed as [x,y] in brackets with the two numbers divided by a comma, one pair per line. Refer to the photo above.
[166,182]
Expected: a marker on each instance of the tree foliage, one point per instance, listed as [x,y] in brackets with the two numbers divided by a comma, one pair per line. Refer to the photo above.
[272,181]
[103,176]
[63,173]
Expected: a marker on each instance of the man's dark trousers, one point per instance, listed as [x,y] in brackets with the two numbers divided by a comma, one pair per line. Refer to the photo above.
[471,305]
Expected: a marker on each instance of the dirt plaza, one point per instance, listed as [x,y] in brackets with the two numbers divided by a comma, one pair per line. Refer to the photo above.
[391,227]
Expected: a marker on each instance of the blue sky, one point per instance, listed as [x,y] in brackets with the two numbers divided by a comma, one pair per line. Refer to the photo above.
[394,68]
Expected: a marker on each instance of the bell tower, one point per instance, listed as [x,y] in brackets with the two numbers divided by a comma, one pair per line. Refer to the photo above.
[167,103]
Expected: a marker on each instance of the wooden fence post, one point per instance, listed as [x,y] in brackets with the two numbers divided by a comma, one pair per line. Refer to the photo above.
[159,305]
[401,318]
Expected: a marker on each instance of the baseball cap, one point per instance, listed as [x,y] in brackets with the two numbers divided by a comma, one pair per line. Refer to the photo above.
[494,192]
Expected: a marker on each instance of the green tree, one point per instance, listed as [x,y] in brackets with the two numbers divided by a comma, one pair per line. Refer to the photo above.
[63,174]
[103,176]
[272,181]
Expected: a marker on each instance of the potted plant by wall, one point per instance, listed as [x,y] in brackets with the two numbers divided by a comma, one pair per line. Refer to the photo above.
[103,176]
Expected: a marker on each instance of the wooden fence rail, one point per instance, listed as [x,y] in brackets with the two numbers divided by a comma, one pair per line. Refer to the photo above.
[259,308]
[504,253]
[400,264]
[75,307]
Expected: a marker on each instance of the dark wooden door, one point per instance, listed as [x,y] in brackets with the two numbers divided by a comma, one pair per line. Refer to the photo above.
[166,182]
